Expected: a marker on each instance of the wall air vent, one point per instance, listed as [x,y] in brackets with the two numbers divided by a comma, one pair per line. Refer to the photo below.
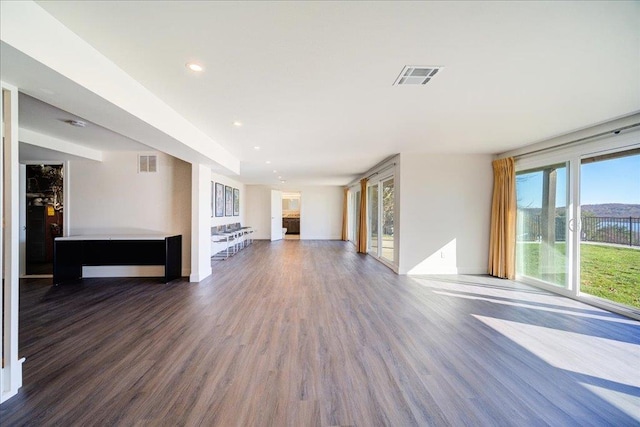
[147,163]
[416,75]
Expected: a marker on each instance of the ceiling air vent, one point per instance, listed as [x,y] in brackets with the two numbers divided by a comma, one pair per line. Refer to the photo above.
[416,75]
[147,163]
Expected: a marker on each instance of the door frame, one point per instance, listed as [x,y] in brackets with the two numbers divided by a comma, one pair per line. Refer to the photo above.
[379,181]
[22,196]
[276,215]
[299,197]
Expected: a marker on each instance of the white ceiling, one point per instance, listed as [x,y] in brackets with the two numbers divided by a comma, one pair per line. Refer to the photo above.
[28,153]
[46,119]
[312,81]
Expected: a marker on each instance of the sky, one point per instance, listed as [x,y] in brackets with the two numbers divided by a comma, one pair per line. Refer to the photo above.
[607,181]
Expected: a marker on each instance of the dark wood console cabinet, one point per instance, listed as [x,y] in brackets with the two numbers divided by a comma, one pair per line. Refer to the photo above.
[70,254]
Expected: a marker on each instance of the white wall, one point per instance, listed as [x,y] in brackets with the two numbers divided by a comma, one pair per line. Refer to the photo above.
[445,213]
[11,367]
[111,197]
[200,222]
[259,210]
[320,211]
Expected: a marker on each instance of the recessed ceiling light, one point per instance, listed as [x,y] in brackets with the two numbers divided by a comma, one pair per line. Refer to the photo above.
[256,148]
[283,181]
[195,67]
[268,162]
[279,177]
[275,171]
[237,123]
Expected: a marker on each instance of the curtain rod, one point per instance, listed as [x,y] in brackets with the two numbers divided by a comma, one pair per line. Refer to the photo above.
[598,135]
[389,166]
[357,181]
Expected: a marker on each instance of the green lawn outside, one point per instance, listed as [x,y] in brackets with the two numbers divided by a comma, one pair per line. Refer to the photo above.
[608,272]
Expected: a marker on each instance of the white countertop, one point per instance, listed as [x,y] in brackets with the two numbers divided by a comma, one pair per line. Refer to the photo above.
[116,237]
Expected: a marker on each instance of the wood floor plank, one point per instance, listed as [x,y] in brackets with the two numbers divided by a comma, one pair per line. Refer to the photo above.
[310,333]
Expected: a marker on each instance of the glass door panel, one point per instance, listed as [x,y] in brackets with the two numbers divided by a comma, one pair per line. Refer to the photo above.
[541,236]
[354,215]
[610,227]
[373,218]
[387,219]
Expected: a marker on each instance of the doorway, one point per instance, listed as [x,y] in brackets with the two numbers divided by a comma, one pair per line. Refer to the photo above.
[609,254]
[381,214]
[276,215]
[44,212]
[578,223]
[291,203]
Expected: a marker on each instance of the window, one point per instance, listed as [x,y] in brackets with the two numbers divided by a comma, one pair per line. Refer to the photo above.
[610,227]
[541,236]
[381,216]
[578,221]
[374,218]
[354,217]
[388,206]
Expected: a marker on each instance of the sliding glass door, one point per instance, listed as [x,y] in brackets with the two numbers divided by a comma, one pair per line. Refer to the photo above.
[354,217]
[578,222]
[541,242]
[381,213]
[610,227]
[388,205]
[374,218]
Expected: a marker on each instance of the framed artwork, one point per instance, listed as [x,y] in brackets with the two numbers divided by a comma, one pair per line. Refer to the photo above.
[228,201]
[219,199]
[213,198]
[236,202]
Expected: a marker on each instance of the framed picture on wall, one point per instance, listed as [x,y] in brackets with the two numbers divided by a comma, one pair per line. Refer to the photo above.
[228,201]
[219,199]
[236,202]
[213,198]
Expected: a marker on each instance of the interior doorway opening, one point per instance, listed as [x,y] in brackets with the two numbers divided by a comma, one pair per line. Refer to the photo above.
[44,216]
[291,203]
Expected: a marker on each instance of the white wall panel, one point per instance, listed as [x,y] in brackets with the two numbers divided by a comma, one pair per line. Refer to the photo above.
[445,212]
[321,212]
[112,197]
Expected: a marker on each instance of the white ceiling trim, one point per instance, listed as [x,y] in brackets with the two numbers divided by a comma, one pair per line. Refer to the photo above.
[28,28]
[579,135]
[44,141]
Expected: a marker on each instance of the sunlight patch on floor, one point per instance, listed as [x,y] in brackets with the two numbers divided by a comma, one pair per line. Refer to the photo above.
[627,403]
[565,350]
[533,304]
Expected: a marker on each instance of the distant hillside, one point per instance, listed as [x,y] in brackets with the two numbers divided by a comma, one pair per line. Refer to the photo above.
[618,210]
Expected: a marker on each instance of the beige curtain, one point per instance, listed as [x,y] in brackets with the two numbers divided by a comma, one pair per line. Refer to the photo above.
[362,238]
[345,215]
[502,242]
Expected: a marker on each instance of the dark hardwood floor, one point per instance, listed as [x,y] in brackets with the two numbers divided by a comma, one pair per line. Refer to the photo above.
[306,333]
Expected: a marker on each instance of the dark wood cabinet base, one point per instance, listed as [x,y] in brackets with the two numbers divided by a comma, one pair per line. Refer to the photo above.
[72,253]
